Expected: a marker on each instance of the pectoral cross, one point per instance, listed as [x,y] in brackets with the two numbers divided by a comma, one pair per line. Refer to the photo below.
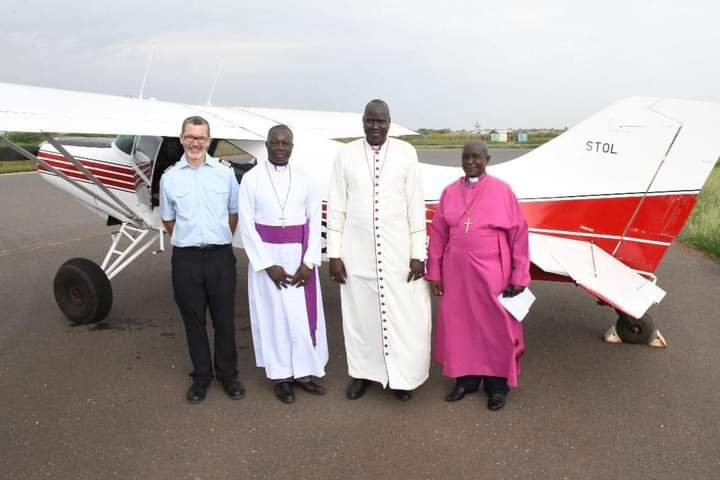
[282,220]
[467,224]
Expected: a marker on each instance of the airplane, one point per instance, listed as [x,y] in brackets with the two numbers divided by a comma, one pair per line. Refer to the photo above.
[604,200]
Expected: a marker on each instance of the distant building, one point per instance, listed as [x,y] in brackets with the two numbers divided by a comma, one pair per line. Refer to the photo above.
[499,136]
[522,136]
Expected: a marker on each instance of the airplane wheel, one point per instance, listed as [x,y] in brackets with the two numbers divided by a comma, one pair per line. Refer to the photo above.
[83,291]
[635,330]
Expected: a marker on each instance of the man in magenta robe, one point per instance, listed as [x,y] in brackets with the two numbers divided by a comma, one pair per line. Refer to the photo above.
[478,251]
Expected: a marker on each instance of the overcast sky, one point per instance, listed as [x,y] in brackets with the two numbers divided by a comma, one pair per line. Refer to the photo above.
[438,64]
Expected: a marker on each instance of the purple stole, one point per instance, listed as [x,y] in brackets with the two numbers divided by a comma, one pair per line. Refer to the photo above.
[295,234]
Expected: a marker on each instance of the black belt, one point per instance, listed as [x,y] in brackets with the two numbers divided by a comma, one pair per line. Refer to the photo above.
[206,247]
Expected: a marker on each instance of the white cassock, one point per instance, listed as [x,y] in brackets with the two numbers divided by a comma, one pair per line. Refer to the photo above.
[279,318]
[376,224]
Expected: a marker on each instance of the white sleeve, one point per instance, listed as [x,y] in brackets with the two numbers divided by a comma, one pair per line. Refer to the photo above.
[337,208]
[313,213]
[416,209]
[259,256]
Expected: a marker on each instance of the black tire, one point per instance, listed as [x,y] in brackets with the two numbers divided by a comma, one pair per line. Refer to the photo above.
[83,291]
[635,330]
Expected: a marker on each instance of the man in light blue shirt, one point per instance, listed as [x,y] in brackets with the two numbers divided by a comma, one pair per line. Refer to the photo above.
[199,209]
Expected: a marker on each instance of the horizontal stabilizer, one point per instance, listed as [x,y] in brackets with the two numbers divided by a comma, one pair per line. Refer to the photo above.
[597,271]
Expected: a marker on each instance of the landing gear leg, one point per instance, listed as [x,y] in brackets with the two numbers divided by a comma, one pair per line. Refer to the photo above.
[82,287]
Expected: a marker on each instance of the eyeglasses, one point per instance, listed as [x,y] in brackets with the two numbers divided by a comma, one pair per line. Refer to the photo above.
[191,138]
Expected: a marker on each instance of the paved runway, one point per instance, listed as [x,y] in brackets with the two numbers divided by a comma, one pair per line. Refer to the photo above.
[451,156]
[107,401]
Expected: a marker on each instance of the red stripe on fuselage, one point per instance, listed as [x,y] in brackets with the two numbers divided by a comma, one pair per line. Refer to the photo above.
[110,175]
[659,218]
[100,174]
[113,167]
[124,186]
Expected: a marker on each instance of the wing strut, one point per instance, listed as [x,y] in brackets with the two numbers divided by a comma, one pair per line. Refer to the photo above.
[87,191]
[92,178]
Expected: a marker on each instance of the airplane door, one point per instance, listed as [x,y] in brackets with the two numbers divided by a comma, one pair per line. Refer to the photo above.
[144,154]
[170,152]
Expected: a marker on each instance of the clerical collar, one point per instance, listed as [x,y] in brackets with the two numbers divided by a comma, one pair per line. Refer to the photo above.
[278,168]
[474,180]
[376,148]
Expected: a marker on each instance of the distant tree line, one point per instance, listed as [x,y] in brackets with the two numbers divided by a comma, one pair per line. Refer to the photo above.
[454,138]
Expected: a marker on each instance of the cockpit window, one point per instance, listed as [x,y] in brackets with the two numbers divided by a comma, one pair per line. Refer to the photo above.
[146,150]
[225,150]
[125,143]
[240,160]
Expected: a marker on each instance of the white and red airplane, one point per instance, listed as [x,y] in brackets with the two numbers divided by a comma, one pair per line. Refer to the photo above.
[604,200]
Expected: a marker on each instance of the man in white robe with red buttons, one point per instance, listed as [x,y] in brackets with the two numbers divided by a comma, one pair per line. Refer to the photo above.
[280,227]
[376,236]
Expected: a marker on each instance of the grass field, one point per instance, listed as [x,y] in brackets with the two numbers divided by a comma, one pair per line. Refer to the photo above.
[703,227]
[13,166]
[431,139]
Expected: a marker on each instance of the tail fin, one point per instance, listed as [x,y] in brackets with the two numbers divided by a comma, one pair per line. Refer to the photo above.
[626,178]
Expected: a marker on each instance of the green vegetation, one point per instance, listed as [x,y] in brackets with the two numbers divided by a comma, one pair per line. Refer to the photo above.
[446,138]
[703,227]
[25,138]
[14,166]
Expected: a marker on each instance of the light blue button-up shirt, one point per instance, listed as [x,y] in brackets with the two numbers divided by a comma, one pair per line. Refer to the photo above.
[199,200]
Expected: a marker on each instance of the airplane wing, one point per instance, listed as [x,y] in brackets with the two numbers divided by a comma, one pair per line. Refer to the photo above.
[36,109]
[597,271]
[332,125]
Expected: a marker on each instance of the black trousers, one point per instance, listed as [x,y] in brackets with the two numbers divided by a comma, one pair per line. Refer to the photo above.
[205,280]
[490,384]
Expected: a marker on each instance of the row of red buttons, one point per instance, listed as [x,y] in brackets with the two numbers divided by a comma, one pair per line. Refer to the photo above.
[377,228]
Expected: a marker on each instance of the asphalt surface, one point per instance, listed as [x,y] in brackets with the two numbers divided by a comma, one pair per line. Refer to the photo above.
[107,401]
[451,156]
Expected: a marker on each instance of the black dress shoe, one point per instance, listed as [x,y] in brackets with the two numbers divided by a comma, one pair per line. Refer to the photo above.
[403,395]
[234,389]
[496,401]
[196,393]
[311,387]
[357,388]
[283,391]
[458,393]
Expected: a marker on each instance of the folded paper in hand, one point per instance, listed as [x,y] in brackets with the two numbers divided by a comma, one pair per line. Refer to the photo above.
[519,305]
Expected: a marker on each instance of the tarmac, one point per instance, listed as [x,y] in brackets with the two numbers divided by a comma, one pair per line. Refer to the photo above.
[107,400]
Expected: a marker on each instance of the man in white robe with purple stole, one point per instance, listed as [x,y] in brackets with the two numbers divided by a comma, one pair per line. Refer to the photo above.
[376,244]
[280,220]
